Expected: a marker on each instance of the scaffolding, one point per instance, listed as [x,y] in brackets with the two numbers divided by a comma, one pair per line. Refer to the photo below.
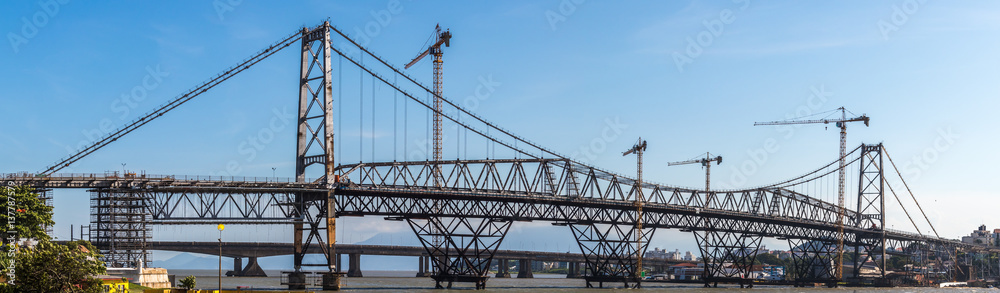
[46,196]
[118,227]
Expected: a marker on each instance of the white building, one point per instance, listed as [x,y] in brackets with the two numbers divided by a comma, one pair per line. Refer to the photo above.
[689,257]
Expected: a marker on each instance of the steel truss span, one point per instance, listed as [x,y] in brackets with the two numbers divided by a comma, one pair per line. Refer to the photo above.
[462,209]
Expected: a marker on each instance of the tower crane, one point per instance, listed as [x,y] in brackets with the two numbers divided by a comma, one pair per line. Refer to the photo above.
[706,162]
[638,149]
[440,38]
[842,124]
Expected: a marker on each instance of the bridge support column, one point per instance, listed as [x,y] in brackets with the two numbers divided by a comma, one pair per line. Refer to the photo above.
[524,269]
[503,268]
[253,269]
[316,211]
[573,270]
[813,262]
[237,267]
[421,272]
[870,244]
[728,256]
[611,250]
[354,261]
[467,249]
[425,266]
[339,260]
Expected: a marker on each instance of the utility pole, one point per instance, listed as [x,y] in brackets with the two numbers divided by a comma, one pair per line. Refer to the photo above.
[638,149]
[220,256]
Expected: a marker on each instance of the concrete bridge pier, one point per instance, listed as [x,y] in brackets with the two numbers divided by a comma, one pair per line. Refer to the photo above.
[524,269]
[237,267]
[503,268]
[339,268]
[424,266]
[251,270]
[573,270]
[354,261]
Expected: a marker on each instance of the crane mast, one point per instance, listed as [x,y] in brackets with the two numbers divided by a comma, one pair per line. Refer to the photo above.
[638,149]
[706,162]
[440,38]
[842,124]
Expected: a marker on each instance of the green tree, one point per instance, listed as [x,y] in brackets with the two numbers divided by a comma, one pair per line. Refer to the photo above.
[30,214]
[45,266]
[188,282]
[51,267]
[768,259]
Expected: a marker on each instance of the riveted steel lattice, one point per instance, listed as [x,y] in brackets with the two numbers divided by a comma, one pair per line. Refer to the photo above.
[727,256]
[813,261]
[871,245]
[467,247]
[611,251]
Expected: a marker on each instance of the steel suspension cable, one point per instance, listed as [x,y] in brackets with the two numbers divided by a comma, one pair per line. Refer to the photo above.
[383,80]
[781,184]
[910,191]
[180,100]
[904,210]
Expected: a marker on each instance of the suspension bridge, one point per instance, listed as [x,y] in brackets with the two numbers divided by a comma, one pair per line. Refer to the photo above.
[461,209]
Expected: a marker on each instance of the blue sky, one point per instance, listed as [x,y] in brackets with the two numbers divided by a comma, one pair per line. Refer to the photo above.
[926,72]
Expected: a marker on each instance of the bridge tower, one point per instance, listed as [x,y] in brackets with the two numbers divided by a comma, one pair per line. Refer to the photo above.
[315,213]
[870,244]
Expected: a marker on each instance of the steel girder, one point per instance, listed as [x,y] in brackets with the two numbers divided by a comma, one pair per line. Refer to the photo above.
[360,202]
[728,256]
[610,250]
[562,179]
[467,249]
[226,205]
[813,261]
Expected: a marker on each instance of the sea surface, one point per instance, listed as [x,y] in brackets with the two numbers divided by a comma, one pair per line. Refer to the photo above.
[404,281]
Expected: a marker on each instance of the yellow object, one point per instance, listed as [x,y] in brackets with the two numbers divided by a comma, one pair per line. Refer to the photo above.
[114,284]
[221,226]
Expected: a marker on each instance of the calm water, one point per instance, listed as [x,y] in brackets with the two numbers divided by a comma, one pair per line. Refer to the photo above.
[403,281]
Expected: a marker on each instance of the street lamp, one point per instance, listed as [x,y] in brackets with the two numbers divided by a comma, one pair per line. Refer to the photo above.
[220,256]
[123,169]
[272,171]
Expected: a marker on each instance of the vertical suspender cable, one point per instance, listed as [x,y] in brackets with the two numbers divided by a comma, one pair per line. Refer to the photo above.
[395,124]
[340,108]
[361,110]
[373,120]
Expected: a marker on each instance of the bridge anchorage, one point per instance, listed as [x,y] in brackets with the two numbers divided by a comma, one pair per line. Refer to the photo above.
[462,209]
